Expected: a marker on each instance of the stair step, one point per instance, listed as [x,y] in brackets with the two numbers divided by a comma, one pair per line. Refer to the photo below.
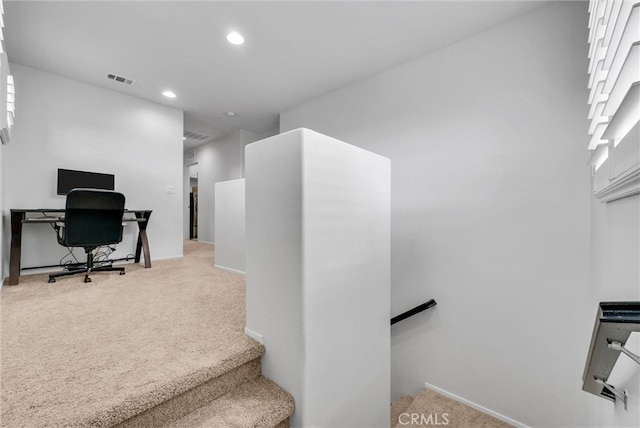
[176,406]
[431,408]
[259,403]
[398,407]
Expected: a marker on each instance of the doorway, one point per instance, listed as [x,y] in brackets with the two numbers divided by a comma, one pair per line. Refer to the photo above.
[193,202]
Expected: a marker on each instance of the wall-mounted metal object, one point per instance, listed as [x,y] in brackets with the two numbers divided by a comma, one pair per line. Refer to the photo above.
[615,322]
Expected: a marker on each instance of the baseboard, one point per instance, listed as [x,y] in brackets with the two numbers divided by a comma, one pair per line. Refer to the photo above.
[229,269]
[476,406]
[54,269]
[255,336]
[46,270]
[155,259]
[203,242]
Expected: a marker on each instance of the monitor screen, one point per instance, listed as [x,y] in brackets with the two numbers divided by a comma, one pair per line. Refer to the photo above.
[69,179]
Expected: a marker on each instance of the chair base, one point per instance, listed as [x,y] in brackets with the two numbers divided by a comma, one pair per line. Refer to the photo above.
[53,276]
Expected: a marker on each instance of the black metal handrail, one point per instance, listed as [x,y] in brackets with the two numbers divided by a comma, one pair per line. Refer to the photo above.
[411,312]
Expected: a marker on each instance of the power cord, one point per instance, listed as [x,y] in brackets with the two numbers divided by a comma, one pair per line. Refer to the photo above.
[101,255]
[68,263]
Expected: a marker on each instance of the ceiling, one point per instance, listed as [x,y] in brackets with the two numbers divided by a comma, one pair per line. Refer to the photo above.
[294,51]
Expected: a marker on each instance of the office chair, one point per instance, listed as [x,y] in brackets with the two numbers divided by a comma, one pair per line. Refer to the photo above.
[92,218]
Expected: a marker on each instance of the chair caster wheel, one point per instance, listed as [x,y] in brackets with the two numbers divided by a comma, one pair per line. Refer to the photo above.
[52,280]
[87,279]
[122,272]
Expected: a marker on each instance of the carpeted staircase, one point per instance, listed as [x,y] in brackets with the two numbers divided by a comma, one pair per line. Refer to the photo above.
[257,403]
[160,347]
[429,408]
[237,398]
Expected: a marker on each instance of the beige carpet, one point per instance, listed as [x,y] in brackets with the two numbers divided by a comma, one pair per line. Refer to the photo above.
[72,354]
[398,407]
[430,408]
[242,408]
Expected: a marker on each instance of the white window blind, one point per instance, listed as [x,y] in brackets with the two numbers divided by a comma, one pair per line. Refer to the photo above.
[7,88]
[614,97]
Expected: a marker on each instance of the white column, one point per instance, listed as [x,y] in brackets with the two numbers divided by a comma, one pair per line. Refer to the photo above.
[230,225]
[318,275]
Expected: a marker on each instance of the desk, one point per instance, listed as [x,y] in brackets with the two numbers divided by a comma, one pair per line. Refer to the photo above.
[19,217]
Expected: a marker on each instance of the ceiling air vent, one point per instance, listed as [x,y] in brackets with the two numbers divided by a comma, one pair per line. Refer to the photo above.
[196,136]
[120,79]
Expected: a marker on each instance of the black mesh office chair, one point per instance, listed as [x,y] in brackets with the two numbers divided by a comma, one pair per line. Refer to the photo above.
[92,218]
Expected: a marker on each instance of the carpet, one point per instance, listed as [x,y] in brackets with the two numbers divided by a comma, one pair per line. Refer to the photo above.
[430,408]
[94,354]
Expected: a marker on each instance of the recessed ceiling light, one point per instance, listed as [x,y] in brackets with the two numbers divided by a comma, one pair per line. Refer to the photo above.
[235,38]
[169,94]
[231,113]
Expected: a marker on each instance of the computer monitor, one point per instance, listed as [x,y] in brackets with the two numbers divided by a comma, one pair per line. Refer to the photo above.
[70,179]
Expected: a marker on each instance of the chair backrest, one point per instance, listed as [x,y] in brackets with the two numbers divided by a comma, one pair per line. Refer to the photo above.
[93,217]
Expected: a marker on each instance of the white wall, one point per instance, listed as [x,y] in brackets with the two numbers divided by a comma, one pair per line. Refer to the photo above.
[318,268]
[616,277]
[67,124]
[219,160]
[230,225]
[490,211]
[4,216]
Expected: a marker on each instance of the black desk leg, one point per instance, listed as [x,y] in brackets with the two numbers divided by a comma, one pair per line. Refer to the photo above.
[16,246]
[143,243]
